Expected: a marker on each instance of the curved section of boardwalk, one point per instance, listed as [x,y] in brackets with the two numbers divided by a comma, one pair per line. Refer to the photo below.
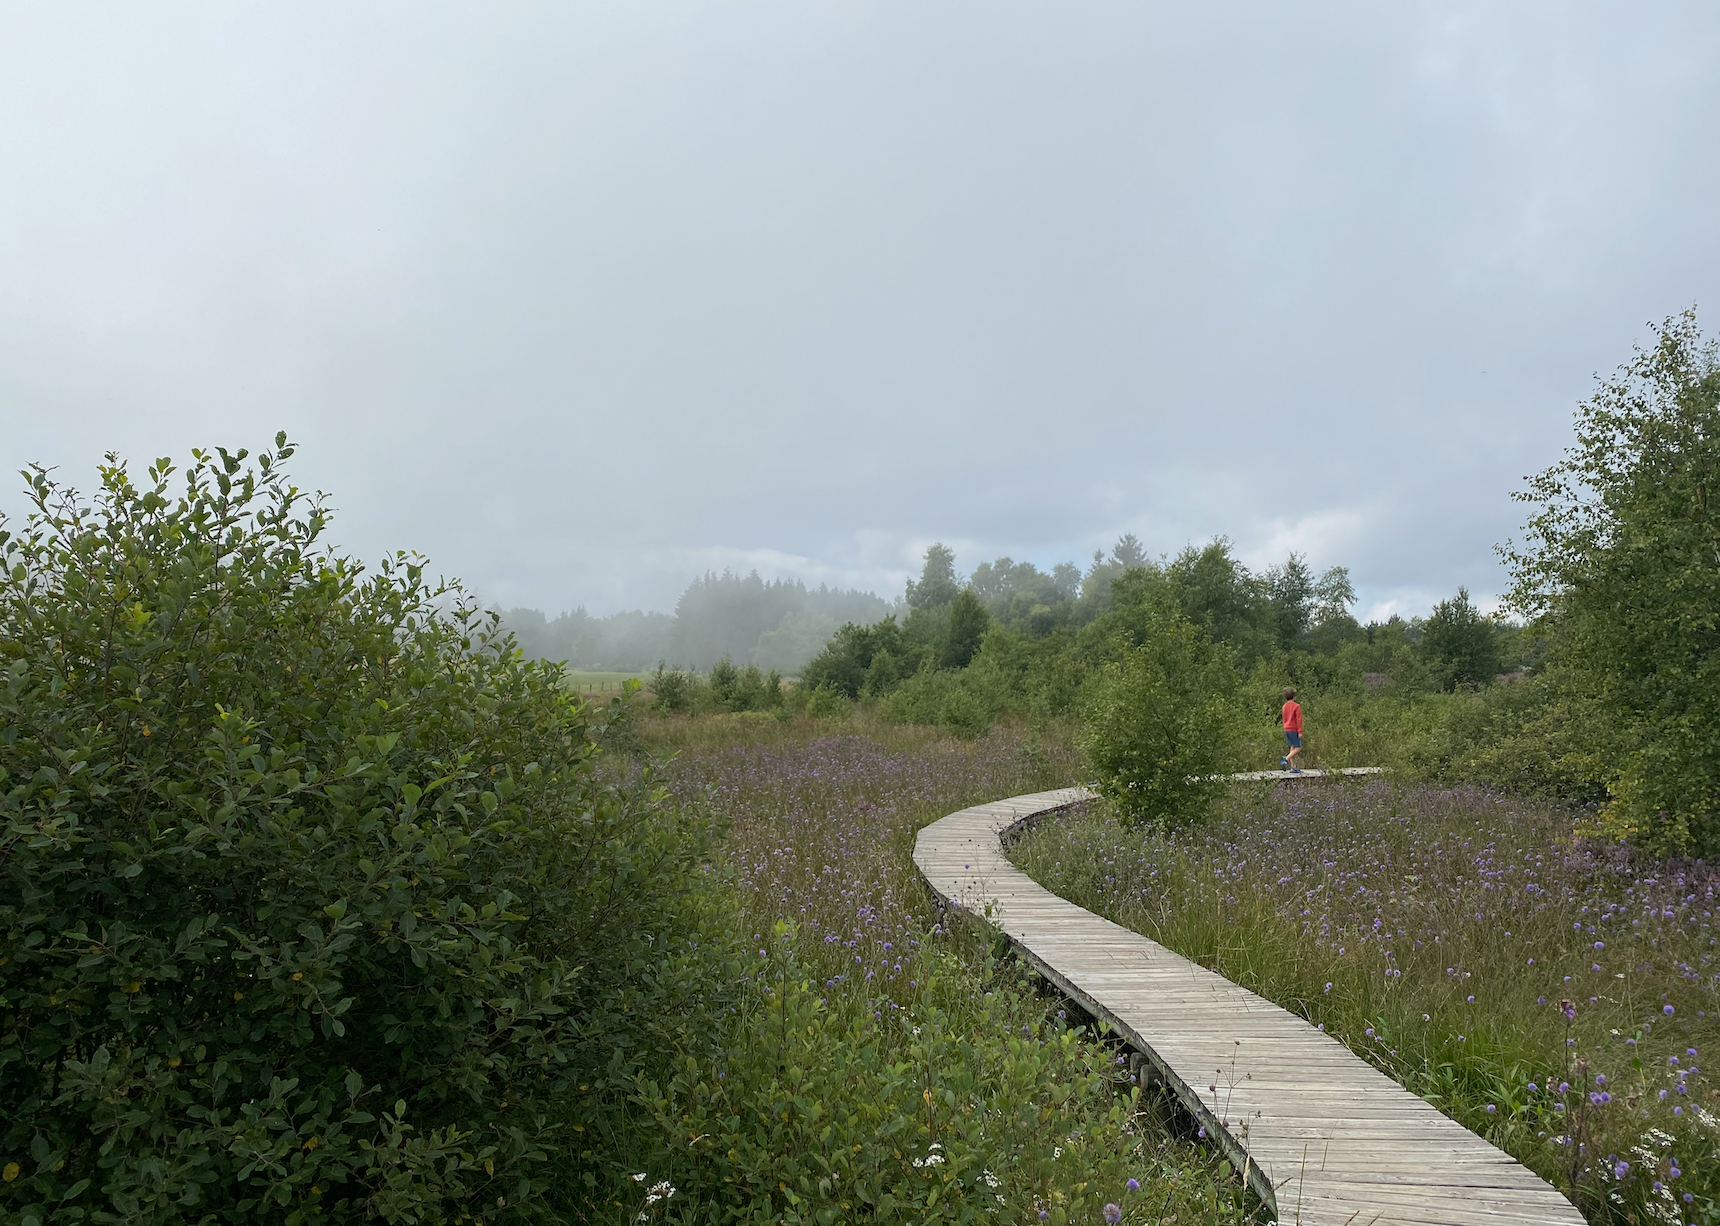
[1322,1135]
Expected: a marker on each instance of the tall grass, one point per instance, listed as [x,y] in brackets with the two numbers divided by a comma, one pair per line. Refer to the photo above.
[882,1060]
[1551,993]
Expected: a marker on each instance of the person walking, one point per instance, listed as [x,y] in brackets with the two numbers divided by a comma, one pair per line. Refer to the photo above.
[1291,718]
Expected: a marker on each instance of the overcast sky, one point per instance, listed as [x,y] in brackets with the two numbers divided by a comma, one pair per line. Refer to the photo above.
[581,300]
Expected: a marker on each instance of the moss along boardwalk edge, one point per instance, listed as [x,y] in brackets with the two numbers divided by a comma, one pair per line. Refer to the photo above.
[1322,1136]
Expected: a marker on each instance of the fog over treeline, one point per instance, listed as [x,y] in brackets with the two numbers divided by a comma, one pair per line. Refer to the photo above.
[778,623]
[782,623]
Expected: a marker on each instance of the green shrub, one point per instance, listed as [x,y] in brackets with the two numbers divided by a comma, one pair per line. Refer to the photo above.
[818,1109]
[311,906]
[1160,718]
[961,701]
[676,689]
[1619,568]
[744,689]
[828,702]
[864,659]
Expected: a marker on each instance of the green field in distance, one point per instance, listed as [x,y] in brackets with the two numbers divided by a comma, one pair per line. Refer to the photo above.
[596,682]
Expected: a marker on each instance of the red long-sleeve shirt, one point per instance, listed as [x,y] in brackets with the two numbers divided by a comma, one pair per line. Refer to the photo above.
[1292,716]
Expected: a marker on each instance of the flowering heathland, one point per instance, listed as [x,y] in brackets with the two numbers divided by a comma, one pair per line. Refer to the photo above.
[884,1059]
[1553,993]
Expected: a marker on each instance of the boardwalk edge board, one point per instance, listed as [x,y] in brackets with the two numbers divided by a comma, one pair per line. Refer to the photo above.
[1319,1134]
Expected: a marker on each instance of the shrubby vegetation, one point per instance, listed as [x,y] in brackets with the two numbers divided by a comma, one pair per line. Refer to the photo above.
[724,688]
[319,903]
[1054,648]
[1551,992]
[1622,569]
[1160,716]
[312,905]
[1608,692]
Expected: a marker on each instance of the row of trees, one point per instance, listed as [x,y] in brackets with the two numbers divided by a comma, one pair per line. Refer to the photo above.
[1619,662]
[777,624]
[1286,617]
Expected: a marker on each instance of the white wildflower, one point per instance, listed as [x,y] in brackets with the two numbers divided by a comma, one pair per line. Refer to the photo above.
[932,1158]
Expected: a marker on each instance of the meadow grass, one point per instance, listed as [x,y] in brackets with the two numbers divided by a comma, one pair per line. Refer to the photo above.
[599,684]
[1552,993]
[886,1059]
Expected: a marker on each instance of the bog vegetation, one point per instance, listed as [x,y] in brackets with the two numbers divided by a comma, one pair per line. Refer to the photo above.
[1556,995]
[321,900]
[1598,684]
[319,903]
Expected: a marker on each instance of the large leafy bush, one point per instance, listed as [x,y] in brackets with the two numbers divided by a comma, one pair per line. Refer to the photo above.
[1622,566]
[311,905]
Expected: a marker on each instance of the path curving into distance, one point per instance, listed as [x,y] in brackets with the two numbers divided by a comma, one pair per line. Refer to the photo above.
[1321,1135]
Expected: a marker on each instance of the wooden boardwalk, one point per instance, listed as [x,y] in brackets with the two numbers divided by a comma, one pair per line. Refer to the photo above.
[1286,776]
[1321,1135]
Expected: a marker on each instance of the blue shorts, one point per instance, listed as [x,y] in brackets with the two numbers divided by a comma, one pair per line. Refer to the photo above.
[1293,738]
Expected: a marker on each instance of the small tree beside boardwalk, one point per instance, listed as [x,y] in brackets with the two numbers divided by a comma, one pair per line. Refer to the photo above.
[1162,723]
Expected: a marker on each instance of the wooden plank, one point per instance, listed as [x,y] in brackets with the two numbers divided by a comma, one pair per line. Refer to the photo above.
[1325,1137]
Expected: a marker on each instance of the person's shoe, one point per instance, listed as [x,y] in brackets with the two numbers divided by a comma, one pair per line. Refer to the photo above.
[1296,770]
[1283,763]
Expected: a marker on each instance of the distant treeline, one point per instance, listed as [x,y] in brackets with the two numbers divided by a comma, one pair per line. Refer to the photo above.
[1036,635]
[961,650]
[778,624]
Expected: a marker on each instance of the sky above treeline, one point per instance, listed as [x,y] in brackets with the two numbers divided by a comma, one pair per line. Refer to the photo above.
[583,300]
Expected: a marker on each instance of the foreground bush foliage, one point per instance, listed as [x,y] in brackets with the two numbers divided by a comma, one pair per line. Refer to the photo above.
[1620,566]
[311,907]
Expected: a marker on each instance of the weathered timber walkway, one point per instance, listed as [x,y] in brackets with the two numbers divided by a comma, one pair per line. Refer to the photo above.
[1323,1137]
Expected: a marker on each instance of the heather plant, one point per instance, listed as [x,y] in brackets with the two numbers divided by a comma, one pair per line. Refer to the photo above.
[1554,993]
[312,906]
[885,1061]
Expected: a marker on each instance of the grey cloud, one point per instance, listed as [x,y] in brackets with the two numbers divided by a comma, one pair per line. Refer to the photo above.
[580,300]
